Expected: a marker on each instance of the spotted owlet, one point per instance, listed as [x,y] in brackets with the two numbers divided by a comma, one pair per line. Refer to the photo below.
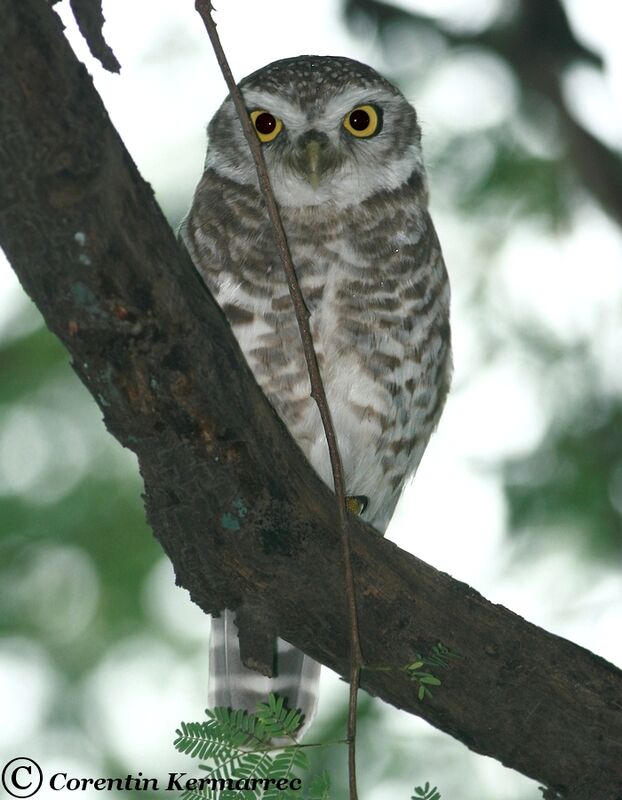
[343,150]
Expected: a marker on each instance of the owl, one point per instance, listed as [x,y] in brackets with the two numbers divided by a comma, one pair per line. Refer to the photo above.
[343,151]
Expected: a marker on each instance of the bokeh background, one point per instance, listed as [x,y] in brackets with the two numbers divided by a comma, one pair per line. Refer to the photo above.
[520,493]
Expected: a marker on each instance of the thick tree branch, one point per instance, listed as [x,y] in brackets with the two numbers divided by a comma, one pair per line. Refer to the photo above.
[242,516]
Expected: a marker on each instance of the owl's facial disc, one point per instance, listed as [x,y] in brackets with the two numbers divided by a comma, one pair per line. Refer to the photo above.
[333,146]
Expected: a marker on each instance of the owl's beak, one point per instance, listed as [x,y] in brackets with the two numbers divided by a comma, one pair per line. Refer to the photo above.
[312,152]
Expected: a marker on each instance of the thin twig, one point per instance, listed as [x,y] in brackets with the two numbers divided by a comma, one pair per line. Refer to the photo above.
[204,8]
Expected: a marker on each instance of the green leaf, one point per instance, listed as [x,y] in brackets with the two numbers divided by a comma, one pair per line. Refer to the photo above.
[426,793]
[319,787]
[301,760]
[237,745]
[430,679]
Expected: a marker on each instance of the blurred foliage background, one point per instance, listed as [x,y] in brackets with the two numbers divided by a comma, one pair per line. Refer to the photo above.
[520,493]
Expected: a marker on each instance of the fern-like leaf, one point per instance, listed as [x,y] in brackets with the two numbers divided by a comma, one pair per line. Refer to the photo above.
[277,720]
[426,793]
[319,788]
[237,728]
[239,746]
[286,761]
[198,740]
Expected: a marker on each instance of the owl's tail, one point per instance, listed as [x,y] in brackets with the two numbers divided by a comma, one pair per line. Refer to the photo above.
[231,684]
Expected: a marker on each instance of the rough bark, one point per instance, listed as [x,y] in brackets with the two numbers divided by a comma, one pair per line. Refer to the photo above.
[240,513]
[90,18]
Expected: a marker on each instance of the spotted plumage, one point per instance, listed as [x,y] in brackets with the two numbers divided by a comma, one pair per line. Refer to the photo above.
[352,195]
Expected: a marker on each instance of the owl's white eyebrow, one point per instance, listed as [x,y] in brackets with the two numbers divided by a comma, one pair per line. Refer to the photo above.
[275,104]
[338,106]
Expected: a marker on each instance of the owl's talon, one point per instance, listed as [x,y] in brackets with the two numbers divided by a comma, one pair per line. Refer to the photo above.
[357,503]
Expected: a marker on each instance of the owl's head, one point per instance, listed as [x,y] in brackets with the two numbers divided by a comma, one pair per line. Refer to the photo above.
[333,131]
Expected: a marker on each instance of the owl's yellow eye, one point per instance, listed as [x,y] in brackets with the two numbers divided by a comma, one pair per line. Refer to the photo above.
[363,121]
[267,125]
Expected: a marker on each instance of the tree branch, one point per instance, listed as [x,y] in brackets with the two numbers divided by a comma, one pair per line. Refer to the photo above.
[243,517]
[90,19]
